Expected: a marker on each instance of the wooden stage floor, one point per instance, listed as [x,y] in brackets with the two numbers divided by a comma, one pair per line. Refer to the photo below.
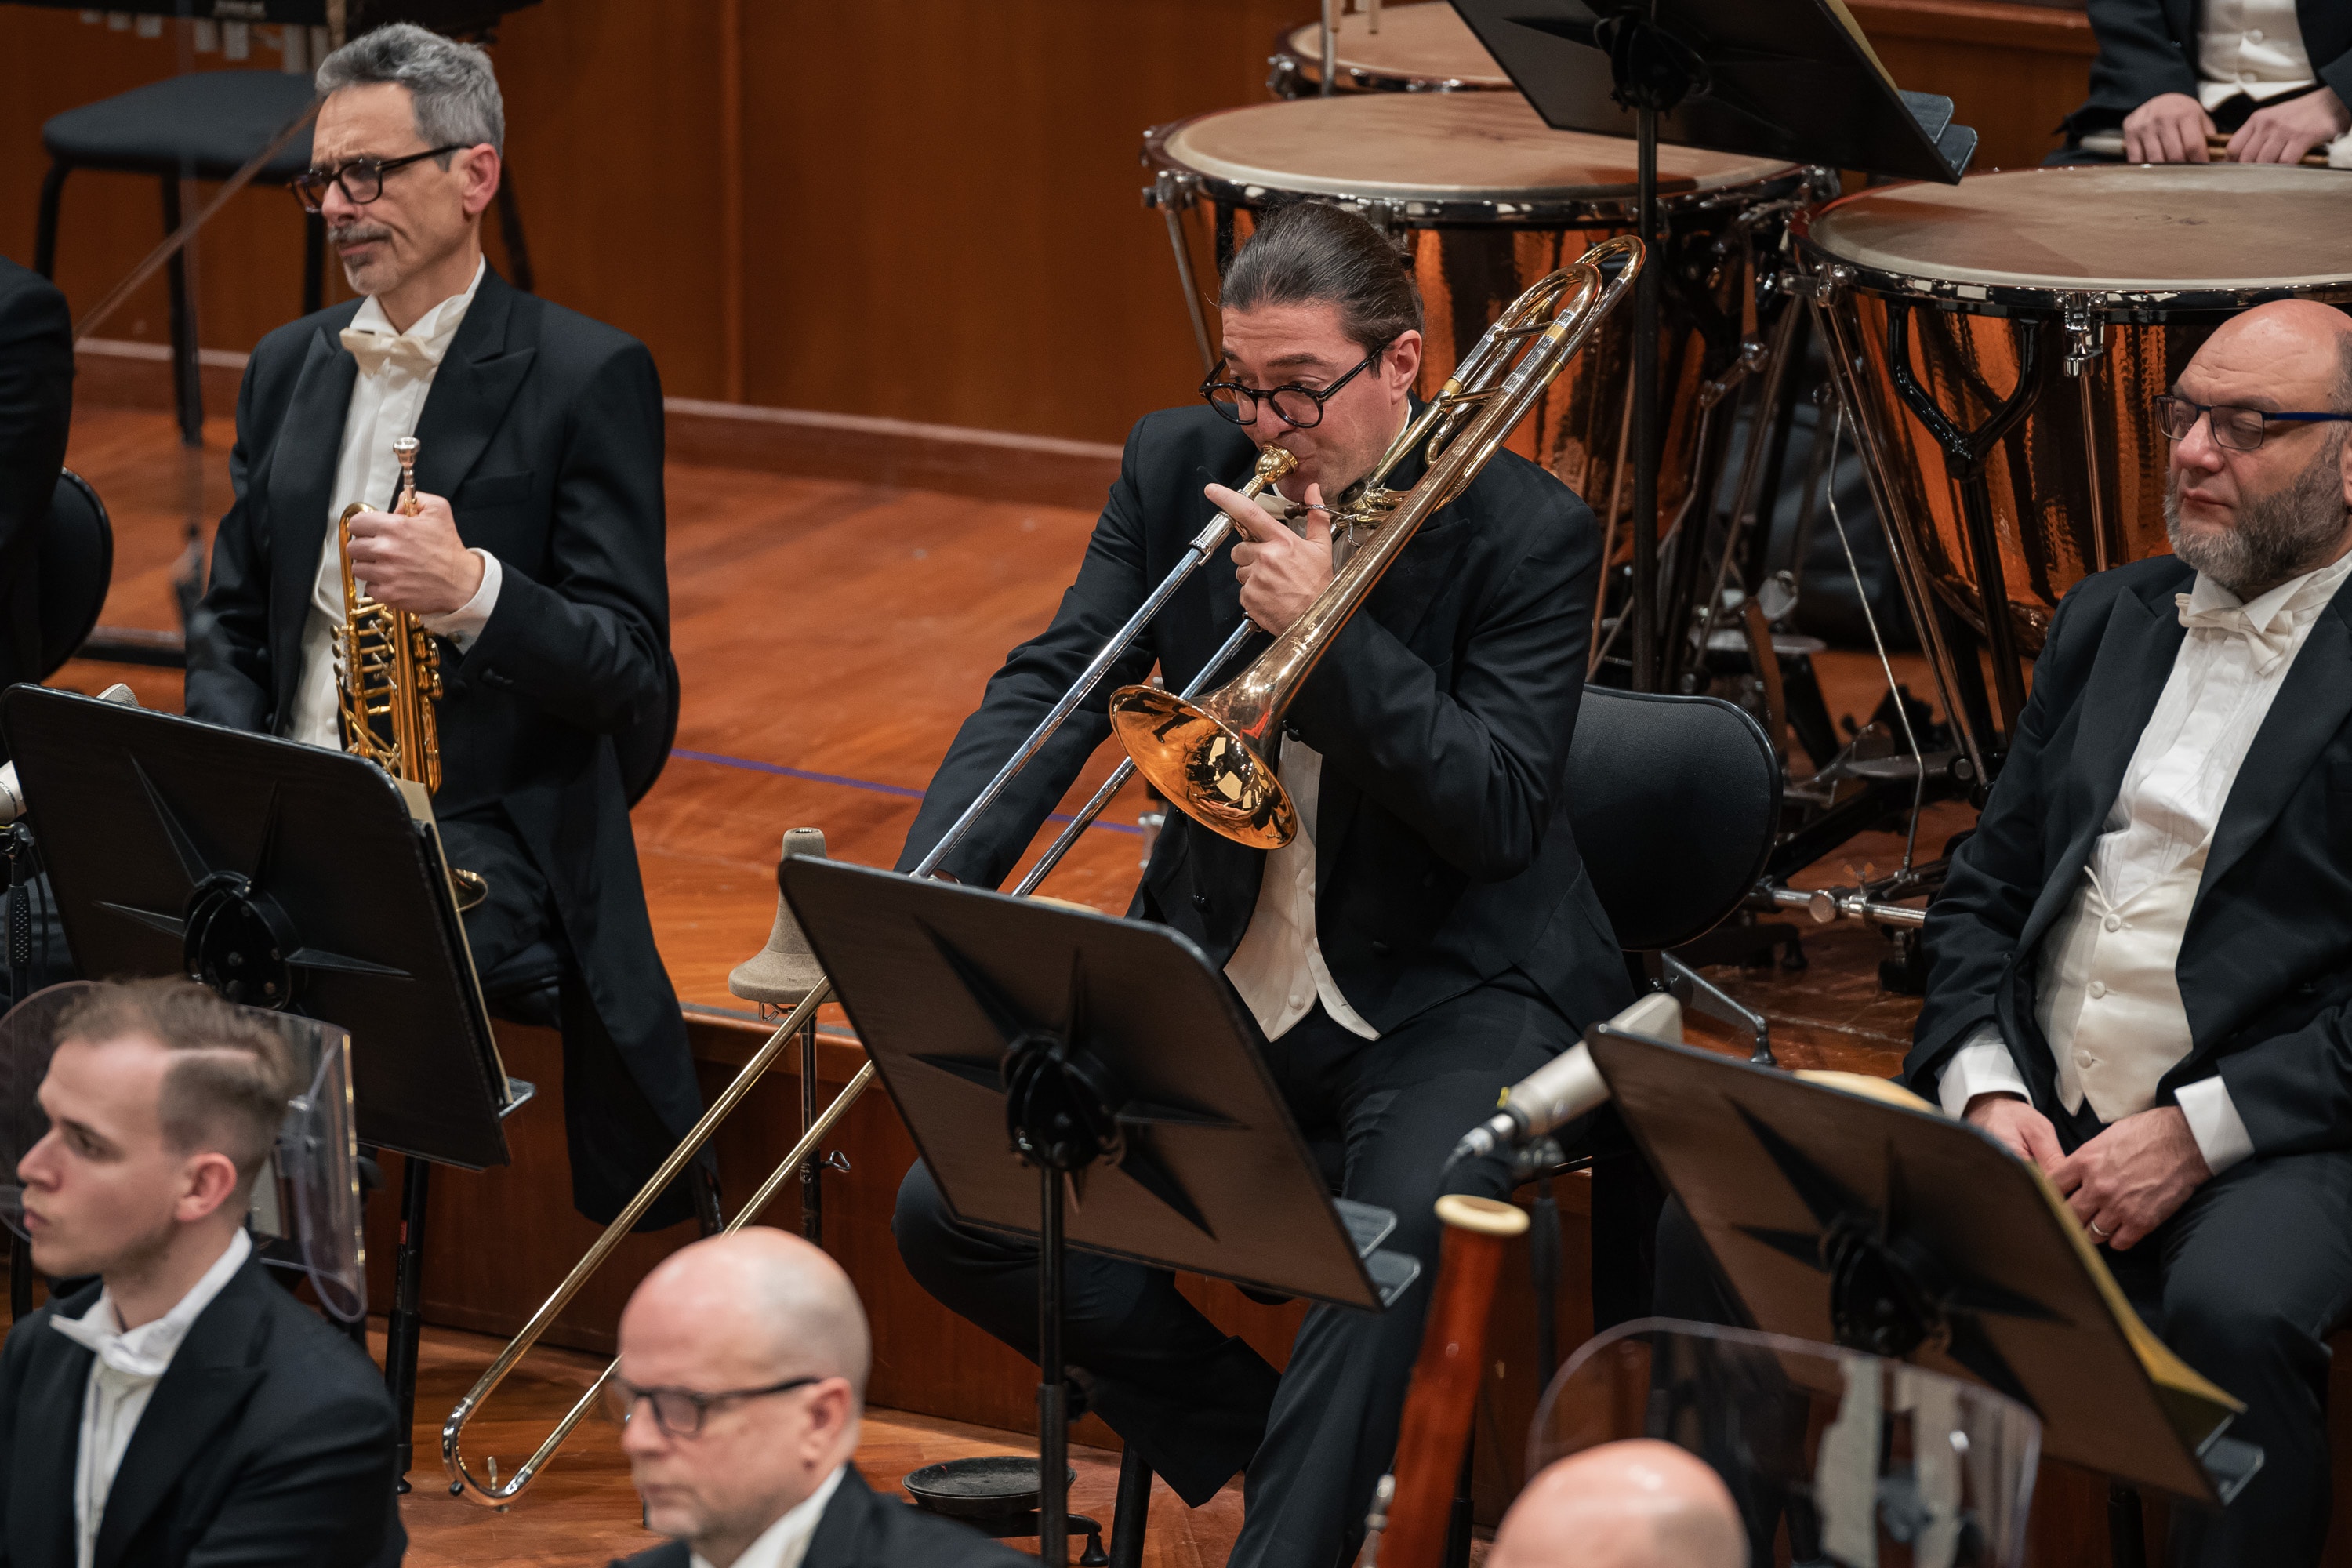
[831,636]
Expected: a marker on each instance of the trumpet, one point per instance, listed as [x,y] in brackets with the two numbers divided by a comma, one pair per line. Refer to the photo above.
[488,1489]
[1206,757]
[388,675]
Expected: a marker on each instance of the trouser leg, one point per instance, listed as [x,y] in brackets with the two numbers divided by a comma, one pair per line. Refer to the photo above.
[2257,1272]
[1192,1399]
[1401,1104]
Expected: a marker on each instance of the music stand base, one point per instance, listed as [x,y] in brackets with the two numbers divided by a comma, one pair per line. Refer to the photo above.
[403,1323]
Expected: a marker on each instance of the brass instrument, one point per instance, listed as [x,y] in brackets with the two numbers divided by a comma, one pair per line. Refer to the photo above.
[786,942]
[1206,757]
[388,675]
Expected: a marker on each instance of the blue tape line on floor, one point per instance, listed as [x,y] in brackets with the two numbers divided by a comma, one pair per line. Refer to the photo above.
[720,759]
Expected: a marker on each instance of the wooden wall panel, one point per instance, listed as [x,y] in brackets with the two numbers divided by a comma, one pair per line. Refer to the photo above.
[917,209]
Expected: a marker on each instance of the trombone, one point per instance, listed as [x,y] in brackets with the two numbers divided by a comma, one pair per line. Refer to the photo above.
[1207,756]
[1272,464]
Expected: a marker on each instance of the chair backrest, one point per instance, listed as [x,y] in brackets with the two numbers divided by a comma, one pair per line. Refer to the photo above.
[1676,802]
[77,564]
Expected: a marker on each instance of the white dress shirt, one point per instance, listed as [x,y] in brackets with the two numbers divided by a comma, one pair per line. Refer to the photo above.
[785,1542]
[1278,967]
[125,1366]
[2108,1000]
[396,371]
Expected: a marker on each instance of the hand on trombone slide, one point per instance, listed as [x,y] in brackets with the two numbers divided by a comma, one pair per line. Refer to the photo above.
[1281,571]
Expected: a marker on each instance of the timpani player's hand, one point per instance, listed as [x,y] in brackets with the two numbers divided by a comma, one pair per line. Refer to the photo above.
[2170,128]
[1281,572]
[415,563]
[2283,132]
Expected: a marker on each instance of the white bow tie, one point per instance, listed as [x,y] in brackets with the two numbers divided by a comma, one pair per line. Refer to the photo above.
[112,1349]
[2270,645]
[376,350]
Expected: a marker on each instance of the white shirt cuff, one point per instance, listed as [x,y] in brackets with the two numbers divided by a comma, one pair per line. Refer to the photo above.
[2214,1122]
[1982,1065]
[464,623]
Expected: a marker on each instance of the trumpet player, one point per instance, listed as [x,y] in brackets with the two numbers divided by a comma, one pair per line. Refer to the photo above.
[534,556]
[1427,937]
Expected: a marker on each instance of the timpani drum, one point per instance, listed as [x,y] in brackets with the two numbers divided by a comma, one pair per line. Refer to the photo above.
[2001,341]
[1489,199]
[1422,48]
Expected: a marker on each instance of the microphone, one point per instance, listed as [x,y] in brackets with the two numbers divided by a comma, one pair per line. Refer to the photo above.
[1566,1087]
[11,794]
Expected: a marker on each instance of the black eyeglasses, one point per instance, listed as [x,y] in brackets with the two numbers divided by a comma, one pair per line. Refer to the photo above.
[679,1412]
[2240,429]
[1300,408]
[362,178]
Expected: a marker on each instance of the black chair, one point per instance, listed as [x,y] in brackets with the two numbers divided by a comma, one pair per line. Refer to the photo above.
[77,564]
[205,125]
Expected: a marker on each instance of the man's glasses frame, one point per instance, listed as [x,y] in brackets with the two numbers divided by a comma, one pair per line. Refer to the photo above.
[2239,428]
[1242,407]
[310,185]
[680,1412]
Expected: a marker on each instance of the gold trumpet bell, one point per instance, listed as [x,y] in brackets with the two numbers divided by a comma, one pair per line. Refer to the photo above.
[780,973]
[1204,767]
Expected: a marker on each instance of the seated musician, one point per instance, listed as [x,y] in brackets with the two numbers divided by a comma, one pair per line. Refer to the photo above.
[1428,938]
[536,559]
[741,1384]
[2273,75]
[183,1409]
[2137,966]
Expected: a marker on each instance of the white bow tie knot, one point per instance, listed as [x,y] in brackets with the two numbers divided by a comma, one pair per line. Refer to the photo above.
[376,350]
[2269,644]
[112,1349]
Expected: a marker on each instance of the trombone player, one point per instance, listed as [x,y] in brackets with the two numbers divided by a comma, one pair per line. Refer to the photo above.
[1427,938]
[535,558]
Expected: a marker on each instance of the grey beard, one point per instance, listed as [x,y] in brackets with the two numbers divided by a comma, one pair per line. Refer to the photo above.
[2275,537]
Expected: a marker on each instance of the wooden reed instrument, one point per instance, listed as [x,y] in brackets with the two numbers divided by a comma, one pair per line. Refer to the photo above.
[1443,1396]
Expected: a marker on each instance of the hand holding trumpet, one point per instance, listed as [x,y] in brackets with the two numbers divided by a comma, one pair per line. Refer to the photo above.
[415,562]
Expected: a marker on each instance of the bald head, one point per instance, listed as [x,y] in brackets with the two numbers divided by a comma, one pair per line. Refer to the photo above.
[757,1301]
[1637,1504]
[766,1332]
[2298,340]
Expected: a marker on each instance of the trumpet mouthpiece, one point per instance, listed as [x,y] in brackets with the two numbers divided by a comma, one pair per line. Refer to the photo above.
[1272,462]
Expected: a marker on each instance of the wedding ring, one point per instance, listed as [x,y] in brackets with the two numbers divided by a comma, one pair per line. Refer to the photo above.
[2101,1235]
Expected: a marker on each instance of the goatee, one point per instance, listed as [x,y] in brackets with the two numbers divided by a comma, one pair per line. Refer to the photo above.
[2274,537]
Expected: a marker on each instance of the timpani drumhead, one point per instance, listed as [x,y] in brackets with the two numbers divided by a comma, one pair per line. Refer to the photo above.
[2179,226]
[1416,43]
[1436,147]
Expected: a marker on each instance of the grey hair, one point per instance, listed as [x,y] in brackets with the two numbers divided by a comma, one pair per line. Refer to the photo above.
[451,88]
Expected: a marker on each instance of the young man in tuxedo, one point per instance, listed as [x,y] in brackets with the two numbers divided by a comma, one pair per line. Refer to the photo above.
[2137,968]
[1428,938]
[536,559]
[184,1409]
[743,1380]
[2274,76]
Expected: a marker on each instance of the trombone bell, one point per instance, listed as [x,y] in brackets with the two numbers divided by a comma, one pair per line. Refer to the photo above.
[1201,763]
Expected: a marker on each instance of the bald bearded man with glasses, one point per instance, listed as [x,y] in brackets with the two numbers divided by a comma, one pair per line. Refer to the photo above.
[2138,975]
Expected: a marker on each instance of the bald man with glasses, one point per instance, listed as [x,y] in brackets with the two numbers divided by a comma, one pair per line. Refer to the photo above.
[743,1380]
[2138,977]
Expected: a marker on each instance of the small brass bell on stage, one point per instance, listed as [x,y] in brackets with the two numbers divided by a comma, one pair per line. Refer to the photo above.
[780,973]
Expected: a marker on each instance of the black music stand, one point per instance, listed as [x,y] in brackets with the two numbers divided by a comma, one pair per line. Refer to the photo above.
[1109,1058]
[1775,79]
[286,876]
[1843,1216]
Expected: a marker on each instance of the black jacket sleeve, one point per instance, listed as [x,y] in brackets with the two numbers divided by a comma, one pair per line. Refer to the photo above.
[2140,57]
[1974,924]
[229,676]
[588,643]
[37,369]
[1109,587]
